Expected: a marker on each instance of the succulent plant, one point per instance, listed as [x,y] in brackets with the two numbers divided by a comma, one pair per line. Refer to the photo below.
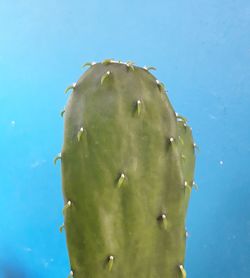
[127,173]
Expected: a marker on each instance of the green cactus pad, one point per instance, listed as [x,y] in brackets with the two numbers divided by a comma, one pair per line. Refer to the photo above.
[127,164]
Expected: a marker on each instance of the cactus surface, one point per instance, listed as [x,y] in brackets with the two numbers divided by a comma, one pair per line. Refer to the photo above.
[127,171]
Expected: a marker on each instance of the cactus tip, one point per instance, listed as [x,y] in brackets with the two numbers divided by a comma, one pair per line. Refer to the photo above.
[70,87]
[138,106]
[195,185]
[61,228]
[160,85]
[79,134]
[88,64]
[163,220]
[130,65]
[186,185]
[69,204]
[183,271]
[121,180]
[195,146]
[62,112]
[59,156]
[107,61]
[171,139]
[110,262]
[180,118]
[149,68]
[105,75]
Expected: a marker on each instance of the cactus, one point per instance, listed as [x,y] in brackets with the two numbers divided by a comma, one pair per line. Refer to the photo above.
[127,172]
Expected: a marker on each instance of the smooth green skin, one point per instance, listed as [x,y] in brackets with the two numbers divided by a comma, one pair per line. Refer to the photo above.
[123,221]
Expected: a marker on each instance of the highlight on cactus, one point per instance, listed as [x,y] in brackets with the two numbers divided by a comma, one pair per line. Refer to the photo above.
[127,175]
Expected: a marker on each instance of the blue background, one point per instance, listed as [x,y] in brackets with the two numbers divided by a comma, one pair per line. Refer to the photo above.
[201,49]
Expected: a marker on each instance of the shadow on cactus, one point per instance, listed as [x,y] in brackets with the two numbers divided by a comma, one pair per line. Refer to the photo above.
[127,172]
